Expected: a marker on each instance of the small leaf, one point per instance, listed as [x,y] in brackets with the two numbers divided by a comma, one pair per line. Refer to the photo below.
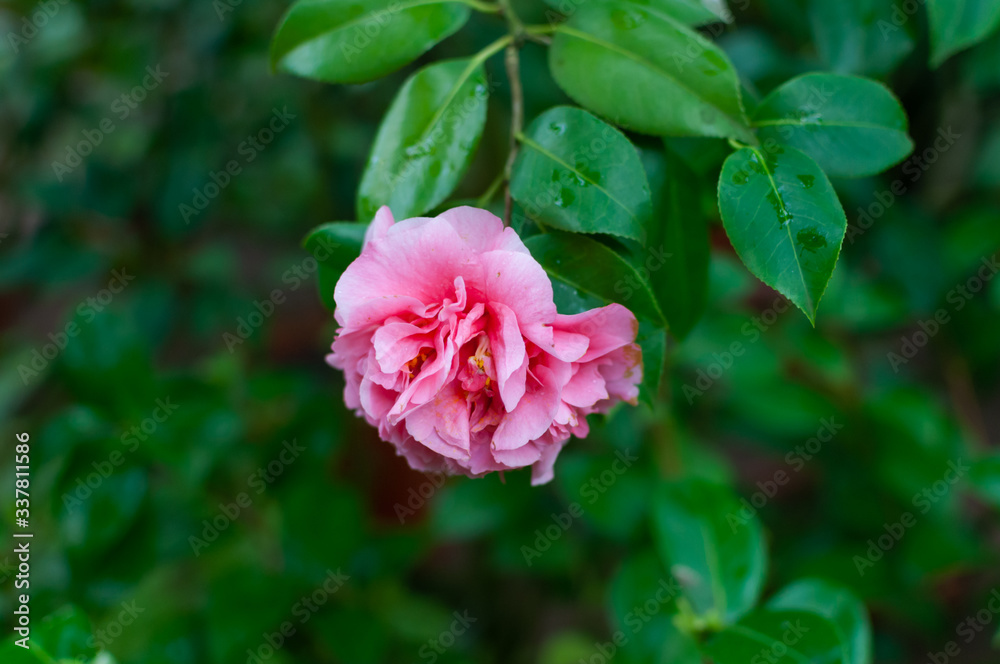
[845,612]
[958,25]
[784,220]
[851,126]
[777,637]
[713,549]
[652,339]
[594,273]
[577,173]
[346,41]
[427,139]
[647,71]
[66,633]
[985,478]
[89,526]
[334,246]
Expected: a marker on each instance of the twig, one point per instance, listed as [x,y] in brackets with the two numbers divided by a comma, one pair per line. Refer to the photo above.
[513,62]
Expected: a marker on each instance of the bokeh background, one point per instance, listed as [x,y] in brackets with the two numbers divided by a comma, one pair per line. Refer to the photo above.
[127,498]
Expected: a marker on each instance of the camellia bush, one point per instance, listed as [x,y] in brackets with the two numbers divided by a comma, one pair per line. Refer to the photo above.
[649,331]
[613,211]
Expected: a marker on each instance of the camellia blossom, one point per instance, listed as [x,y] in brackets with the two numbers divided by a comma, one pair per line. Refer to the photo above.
[451,345]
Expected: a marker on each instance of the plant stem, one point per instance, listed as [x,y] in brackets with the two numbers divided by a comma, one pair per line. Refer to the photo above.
[540,29]
[488,195]
[490,50]
[513,21]
[513,62]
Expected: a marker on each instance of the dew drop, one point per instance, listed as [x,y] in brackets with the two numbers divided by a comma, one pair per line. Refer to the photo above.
[807,181]
[810,240]
[810,118]
[565,198]
[784,216]
[558,128]
[741,177]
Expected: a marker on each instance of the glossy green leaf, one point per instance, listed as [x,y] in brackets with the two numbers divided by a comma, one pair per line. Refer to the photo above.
[784,220]
[577,287]
[334,246]
[594,273]
[715,550]
[842,608]
[678,244]
[652,338]
[860,36]
[957,25]
[577,173]
[351,41]
[777,637]
[426,140]
[647,71]
[851,126]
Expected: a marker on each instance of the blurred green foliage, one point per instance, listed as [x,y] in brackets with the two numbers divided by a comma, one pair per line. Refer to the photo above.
[193,464]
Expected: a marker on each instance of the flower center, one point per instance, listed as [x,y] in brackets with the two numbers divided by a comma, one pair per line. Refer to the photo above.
[478,371]
[413,366]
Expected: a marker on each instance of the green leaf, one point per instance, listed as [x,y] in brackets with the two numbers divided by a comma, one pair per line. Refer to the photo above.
[716,552]
[777,637]
[334,245]
[859,36]
[842,608]
[958,25]
[678,242]
[347,41]
[784,220]
[652,339]
[577,173]
[427,139]
[576,288]
[851,126]
[89,524]
[595,273]
[647,71]
[66,633]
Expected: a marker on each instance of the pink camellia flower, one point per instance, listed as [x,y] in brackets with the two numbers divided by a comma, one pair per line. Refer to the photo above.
[451,346]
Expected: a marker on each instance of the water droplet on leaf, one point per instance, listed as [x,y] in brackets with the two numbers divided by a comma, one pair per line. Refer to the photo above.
[565,198]
[810,239]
